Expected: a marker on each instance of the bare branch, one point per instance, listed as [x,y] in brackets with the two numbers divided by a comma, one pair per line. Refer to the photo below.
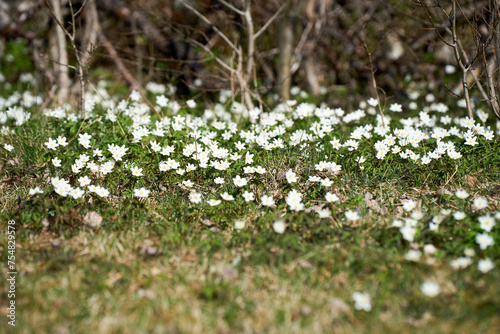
[207,21]
[234,9]
[81,8]
[268,23]
[424,6]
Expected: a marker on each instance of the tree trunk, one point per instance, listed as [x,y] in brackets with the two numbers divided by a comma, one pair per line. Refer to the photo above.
[91,31]
[61,67]
[286,40]
[311,75]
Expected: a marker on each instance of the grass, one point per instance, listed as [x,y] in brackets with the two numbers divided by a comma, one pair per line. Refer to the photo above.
[165,265]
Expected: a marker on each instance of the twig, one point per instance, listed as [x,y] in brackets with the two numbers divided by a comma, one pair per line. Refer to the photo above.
[374,79]
[82,129]
[456,50]
[207,21]
[234,9]
[268,23]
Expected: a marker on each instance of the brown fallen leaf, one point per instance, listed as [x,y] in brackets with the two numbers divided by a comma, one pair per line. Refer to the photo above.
[315,208]
[12,180]
[113,277]
[207,222]
[443,191]
[148,249]
[338,307]
[149,294]
[229,273]
[93,219]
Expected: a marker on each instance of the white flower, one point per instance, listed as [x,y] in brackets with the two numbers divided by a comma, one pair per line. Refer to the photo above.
[459,215]
[188,183]
[325,213]
[469,252]
[326,182]
[462,194]
[445,212]
[260,170]
[161,100]
[433,226]
[408,232]
[191,103]
[248,196]
[430,288]
[485,265]
[56,162]
[62,141]
[102,192]
[331,197]
[84,181]
[413,255]
[227,197]
[76,193]
[36,190]
[279,226]
[84,139]
[141,192]
[484,240]
[351,215]
[373,102]
[487,222]
[136,171]
[239,224]
[461,263]
[195,197]
[8,147]
[214,202]
[291,177]
[362,301]
[395,107]
[417,215]
[438,219]
[63,189]
[135,96]
[75,169]
[449,69]
[52,144]
[248,169]
[219,180]
[429,249]
[397,223]
[240,181]
[155,146]
[480,203]
[314,179]
[409,205]
[267,200]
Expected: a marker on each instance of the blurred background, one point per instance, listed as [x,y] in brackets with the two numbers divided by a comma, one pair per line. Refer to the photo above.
[268,49]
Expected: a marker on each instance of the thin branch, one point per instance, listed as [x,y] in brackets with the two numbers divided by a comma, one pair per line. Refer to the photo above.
[374,79]
[81,8]
[207,21]
[234,9]
[81,129]
[424,6]
[58,63]
[464,68]
[73,25]
[57,20]
[118,62]
[268,23]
